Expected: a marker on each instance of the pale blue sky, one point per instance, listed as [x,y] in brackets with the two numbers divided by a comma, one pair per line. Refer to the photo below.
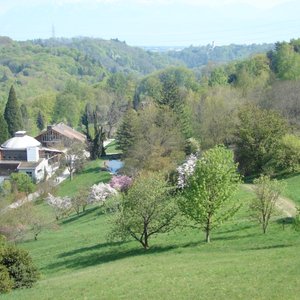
[154,22]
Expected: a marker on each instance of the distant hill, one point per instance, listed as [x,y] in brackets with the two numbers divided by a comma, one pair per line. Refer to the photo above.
[42,66]
[194,57]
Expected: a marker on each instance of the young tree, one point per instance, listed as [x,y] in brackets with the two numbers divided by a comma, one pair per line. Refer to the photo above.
[267,194]
[145,210]
[207,197]
[12,113]
[4,135]
[21,182]
[80,200]
[61,206]
[121,182]
[74,158]
[100,192]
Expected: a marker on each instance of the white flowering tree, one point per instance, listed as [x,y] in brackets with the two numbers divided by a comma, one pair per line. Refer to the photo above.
[186,170]
[100,192]
[62,205]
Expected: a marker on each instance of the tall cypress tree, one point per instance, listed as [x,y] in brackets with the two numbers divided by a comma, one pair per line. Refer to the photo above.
[40,121]
[12,113]
[4,135]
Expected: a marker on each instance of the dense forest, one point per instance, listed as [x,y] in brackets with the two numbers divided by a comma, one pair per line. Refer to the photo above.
[167,107]
[57,76]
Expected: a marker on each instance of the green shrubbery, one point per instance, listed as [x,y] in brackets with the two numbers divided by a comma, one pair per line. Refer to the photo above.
[16,268]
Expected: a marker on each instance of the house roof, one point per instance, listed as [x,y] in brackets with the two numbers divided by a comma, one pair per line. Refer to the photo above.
[20,142]
[66,131]
[26,165]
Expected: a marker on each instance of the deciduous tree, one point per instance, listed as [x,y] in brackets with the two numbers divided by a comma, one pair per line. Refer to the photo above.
[267,194]
[145,210]
[258,135]
[207,197]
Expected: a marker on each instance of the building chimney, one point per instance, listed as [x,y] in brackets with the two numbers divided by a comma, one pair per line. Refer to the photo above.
[20,133]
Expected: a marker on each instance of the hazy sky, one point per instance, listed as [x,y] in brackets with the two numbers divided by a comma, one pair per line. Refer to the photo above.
[154,22]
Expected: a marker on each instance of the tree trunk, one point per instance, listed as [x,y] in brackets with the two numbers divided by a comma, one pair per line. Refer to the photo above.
[207,236]
[207,230]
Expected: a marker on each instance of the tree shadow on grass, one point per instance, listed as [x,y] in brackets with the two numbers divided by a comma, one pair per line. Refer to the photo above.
[90,248]
[84,259]
[236,229]
[82,214]
[233,237]
[90,170]
[285,221]
[270,247]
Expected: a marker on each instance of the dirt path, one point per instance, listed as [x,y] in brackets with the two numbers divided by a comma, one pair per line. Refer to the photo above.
[287,206]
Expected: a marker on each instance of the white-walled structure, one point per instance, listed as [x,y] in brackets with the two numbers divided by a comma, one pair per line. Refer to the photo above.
[25,154]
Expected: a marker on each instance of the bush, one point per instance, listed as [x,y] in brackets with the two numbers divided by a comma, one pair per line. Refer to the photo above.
[6,284]
[288,153]
[19,266]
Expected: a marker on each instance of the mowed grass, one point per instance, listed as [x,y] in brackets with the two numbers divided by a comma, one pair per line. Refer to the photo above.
[90,175]
[292,190]
[112,148]
[77,262]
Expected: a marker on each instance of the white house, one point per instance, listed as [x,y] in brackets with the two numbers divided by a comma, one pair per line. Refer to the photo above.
[24,154]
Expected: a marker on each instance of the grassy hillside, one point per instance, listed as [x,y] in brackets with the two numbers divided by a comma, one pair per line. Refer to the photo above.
[293,188]
[77,262]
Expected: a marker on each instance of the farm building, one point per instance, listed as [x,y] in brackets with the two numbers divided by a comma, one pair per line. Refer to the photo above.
[60,136]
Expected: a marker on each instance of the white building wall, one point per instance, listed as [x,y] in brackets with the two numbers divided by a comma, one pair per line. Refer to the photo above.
[33,154]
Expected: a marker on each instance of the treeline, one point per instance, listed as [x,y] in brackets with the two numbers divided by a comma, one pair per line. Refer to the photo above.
[197,57]
[204,110]
[248,105]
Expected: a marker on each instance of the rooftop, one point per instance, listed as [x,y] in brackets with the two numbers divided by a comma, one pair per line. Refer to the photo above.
[20,141]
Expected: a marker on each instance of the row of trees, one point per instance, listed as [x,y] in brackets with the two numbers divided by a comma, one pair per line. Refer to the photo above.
[203,198]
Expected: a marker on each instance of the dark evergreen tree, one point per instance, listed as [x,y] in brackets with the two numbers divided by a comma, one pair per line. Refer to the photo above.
[126,132]
[12,113]
[4,135]
[40,122]
[86,120]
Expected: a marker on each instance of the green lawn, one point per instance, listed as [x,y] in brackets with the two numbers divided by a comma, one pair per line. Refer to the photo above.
[76,262]
[91,174]
[293,188]
[111,148]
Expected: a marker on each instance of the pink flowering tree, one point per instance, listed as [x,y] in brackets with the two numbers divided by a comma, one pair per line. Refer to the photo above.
[120,182]
[186,170]
[100,192]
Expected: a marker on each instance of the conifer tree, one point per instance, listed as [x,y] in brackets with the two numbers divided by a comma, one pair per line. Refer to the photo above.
[4,130]
[40,121]
[12,113]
